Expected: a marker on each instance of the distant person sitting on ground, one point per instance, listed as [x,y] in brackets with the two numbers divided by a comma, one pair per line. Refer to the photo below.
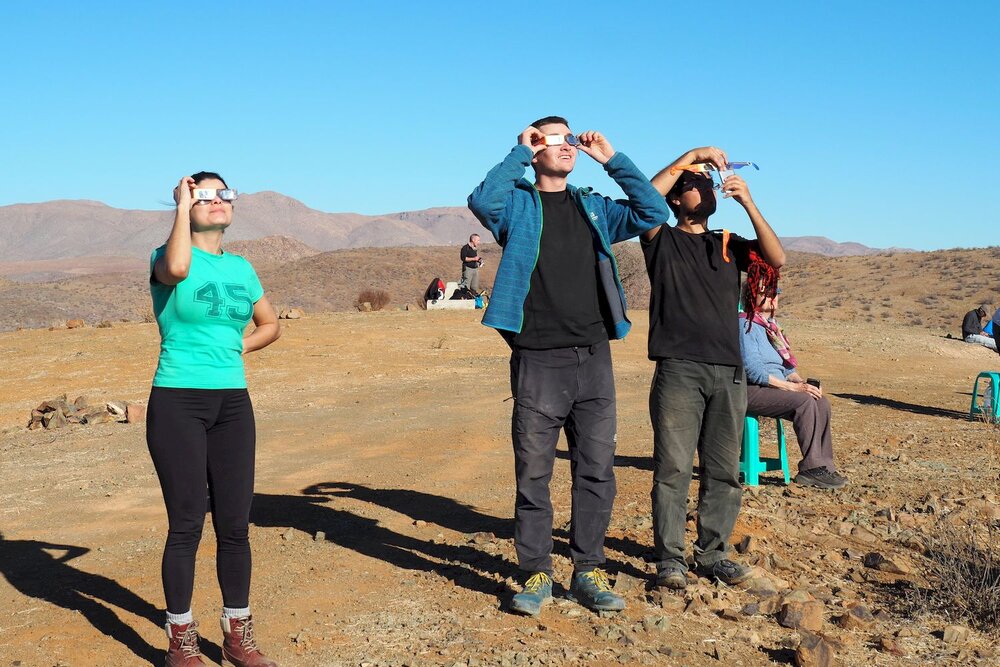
[471,261]
[776,389]
[972,330]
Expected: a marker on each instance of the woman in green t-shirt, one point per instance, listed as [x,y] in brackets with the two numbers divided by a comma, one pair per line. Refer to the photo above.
[200,424]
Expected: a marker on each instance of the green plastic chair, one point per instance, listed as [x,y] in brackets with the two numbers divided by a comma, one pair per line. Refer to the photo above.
[993,413]
[751,463]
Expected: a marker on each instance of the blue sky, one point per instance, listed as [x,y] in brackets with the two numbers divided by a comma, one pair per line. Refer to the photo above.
[859,113]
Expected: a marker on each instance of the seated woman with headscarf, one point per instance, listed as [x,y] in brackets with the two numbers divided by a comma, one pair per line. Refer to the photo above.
[776,389]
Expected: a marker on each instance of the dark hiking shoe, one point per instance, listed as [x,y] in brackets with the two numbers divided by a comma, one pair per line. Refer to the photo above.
[821,478]
[239,647]
[728,572]
[536,594]
[673,577]
[183,650]
[593,590]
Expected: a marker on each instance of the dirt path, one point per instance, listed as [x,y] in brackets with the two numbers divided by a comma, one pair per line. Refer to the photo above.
[389,434]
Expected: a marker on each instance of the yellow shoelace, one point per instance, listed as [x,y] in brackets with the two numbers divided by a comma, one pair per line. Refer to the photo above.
[600,579]
[536,581]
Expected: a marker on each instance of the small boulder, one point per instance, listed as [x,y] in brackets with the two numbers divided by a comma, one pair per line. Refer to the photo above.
[802,615]
[956,634]
[814,651]
[135,413]
[118,410]
[75,324]
[857,617]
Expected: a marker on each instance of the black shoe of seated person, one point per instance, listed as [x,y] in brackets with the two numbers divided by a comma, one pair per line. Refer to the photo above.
[821,478]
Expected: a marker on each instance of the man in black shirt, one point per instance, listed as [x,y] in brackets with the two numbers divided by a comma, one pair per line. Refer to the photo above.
[557,300]
[471,261]
[698,395]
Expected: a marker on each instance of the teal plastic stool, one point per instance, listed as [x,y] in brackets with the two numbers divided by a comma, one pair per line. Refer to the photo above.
[992,413]
[751,464]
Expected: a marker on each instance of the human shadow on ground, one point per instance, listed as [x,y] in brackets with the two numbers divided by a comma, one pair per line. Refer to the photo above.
[315,511]
[466,565]
[34,572]
[930,411]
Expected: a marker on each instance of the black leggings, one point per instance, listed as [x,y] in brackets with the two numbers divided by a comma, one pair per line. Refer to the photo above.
[204,439]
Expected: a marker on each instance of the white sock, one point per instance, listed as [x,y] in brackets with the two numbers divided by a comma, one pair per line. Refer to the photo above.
[180,619]
[229,612]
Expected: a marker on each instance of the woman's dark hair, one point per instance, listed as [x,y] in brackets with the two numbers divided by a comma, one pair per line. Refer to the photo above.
[205,175]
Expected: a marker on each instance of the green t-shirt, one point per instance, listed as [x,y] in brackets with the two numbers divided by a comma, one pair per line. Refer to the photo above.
[201,321]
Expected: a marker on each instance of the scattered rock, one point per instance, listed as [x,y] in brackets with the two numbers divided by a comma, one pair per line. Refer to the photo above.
[889,645]
[365,307]
[626,583]
[288,535]
[75,324]
[893,564]
[802,615]
[814,651]
[857,617]
[293,313]
[118,409]
[956,634]
[135,413]
[319,536]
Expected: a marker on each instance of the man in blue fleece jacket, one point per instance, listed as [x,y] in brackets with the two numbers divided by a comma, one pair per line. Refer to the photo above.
[557,300]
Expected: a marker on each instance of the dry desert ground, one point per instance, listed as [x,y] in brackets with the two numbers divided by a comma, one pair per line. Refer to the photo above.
[381,527]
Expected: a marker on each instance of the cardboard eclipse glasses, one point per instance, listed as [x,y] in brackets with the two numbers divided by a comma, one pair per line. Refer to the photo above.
[206,195]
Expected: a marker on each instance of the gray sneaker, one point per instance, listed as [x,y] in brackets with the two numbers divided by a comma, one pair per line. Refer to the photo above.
[821,478]
[728,572]
[673,577]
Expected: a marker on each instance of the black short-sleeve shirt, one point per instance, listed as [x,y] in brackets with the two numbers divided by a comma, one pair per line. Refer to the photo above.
[694,295]
[563,307]
[469,251]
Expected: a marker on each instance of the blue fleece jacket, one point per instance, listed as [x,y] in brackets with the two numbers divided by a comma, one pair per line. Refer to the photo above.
[509,206]
[760,359]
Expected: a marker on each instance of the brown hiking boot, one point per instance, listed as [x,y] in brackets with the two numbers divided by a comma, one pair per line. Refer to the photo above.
[183,650]
[239,647]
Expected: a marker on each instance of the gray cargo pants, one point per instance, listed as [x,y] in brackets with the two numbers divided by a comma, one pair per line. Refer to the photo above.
[696,406]
[571,388]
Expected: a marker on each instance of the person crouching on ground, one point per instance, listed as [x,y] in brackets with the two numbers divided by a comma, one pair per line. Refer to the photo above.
[557,299]
[776,389]
[697,400]
[200,424]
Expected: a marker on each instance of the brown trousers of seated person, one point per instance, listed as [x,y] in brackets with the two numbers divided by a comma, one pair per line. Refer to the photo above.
[810,419]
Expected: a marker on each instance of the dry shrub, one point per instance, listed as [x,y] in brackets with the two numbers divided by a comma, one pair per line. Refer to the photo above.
[963,574]
[378,298]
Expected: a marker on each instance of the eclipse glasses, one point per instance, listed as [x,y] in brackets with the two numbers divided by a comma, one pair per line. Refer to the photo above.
[207,195]
[712,170]
[557,140]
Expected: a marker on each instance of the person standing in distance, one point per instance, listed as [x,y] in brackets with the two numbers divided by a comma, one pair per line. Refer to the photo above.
[200,424]
[471,261]
[557,300]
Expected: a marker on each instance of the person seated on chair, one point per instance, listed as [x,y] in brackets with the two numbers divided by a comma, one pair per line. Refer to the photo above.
[972,330]
[774,386]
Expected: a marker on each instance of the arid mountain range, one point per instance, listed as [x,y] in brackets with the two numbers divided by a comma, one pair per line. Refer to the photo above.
[60,239]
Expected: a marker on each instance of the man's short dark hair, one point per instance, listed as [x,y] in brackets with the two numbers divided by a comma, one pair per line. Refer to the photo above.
[981,311]
[686,182]
[549,120]
[473,236]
